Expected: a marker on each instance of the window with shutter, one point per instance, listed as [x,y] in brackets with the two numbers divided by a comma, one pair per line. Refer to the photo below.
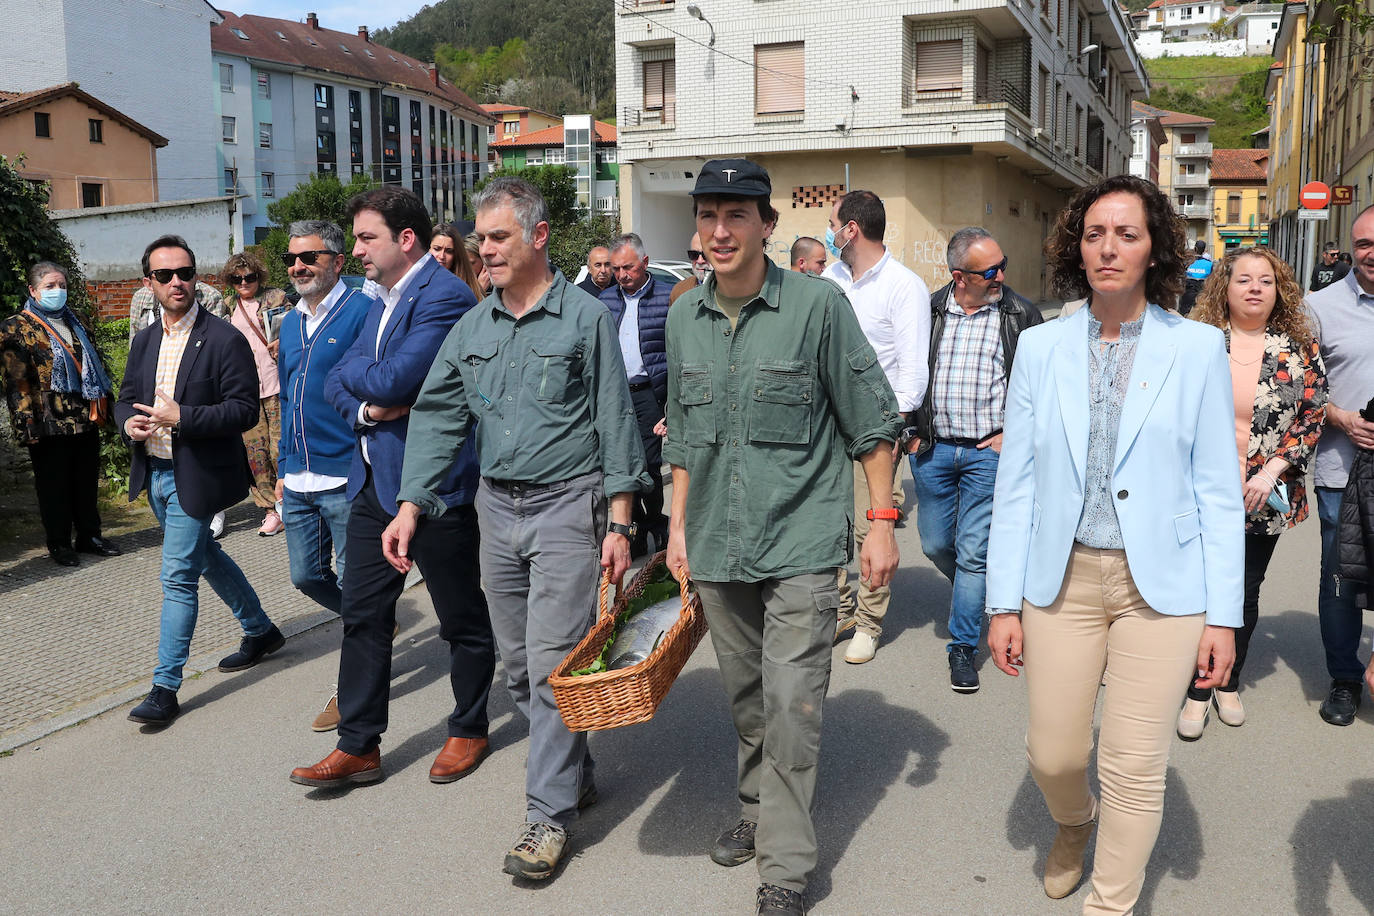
[780,78]
[939,65]
[660,90]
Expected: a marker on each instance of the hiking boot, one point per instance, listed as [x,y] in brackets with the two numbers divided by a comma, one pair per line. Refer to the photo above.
[536,854]
[779,901]
[736,845]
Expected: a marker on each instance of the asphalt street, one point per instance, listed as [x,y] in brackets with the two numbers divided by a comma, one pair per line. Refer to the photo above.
[925,804]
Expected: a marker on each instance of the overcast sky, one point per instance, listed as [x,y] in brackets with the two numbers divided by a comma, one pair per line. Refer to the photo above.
[340,15]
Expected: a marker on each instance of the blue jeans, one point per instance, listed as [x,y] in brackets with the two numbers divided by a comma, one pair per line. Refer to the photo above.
[189,552]
[316,524]
[1341,621]
[954,485]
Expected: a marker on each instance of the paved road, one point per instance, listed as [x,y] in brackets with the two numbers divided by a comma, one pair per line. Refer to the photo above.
[925,803]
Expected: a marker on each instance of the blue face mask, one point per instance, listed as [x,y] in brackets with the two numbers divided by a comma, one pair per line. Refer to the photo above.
[830,243]
[52,300]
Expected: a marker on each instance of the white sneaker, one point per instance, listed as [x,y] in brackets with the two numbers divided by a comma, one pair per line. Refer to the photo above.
[217,526]
[862,648]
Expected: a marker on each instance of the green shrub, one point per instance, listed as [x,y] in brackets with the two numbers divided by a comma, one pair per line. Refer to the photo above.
[112,340]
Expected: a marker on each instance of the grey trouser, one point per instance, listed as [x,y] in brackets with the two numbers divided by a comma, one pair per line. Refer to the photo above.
[773,642]
[541,566]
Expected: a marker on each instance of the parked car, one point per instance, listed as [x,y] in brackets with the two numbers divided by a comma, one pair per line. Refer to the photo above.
[666,271]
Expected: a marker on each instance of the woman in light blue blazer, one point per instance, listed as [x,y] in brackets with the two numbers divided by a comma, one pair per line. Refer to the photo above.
[1116,541]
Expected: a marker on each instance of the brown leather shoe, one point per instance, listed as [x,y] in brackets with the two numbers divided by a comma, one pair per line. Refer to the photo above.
[459,757]
[341,769]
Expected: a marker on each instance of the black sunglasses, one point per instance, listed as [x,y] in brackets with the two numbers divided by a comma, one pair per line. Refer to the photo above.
[693,254]
[164,276]
[308,258]
[236,279]
[989,274]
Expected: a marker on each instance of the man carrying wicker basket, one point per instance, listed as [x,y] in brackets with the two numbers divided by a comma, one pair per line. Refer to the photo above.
[773,390]
[537,366]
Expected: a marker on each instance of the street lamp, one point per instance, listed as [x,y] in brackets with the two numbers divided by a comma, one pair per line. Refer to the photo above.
[695,12]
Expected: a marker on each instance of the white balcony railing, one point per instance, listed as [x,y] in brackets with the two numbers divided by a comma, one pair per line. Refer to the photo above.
[1194,211]
[1196,180]
[1193,150]
[605,204]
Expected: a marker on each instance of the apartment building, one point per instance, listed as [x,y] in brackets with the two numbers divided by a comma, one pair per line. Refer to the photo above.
[1344,136]
[294,99]
[89,154]
[147,60]
[579,141]
[1240,194]
[1185,173]
[1147,136]
[956,114]
[512,121]
[1295,94]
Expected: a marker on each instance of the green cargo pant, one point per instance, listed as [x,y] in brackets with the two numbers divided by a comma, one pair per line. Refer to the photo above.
[773,644]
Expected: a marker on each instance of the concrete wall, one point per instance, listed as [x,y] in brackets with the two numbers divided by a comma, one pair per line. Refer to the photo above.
[123,163]
[109,241]
[1152,45]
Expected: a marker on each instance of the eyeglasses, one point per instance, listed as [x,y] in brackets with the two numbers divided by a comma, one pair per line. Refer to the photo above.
[989,274]
[164,276]
[694,255]
[308,258]
[238,279]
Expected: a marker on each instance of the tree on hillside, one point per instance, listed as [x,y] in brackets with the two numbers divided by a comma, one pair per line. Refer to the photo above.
[322,197]
[572,233]
[29,235]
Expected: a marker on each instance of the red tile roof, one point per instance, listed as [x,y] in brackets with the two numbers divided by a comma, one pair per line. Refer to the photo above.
[304,44]
[1251,165]
[15,102]
[553,136]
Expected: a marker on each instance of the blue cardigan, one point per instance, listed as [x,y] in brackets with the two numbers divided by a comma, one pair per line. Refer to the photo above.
[313,436]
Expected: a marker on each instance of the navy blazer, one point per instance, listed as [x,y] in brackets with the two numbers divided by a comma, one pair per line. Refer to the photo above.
[653,340]
[430,306]
[217,390]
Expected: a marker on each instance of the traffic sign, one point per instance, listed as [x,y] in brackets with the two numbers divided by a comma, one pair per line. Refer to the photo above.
[1315,195]
[1320,215]
[1342,195]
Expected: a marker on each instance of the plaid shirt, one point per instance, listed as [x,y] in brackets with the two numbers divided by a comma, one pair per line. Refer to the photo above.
[169,355]
[969,388]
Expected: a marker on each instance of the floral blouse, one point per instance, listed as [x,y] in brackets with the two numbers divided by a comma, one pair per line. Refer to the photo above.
[1290,407]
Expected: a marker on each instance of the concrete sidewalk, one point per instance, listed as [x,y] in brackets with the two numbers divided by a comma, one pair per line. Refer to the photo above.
[925,804]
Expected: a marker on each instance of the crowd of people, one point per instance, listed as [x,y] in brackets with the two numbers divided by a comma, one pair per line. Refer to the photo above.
[1104,491]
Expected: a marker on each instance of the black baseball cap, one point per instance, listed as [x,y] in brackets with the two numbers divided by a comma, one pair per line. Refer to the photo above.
[733,178]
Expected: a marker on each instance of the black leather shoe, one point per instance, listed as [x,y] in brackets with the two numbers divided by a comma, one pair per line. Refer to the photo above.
[252,649]
[98,546]
[64,556]
[963,677]
[1342,702]
[736,845]
[160,708]
[779,901]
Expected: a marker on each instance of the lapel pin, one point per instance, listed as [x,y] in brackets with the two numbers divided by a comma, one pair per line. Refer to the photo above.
[198,345]
[331,340]
[1144,384]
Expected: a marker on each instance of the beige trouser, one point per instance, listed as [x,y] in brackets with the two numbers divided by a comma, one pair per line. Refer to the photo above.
[871,606]
[1100,621]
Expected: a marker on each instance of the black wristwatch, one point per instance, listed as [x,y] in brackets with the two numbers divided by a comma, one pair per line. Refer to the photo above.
[628,531]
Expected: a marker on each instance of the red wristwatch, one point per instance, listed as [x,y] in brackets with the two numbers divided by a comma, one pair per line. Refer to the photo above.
[890,515]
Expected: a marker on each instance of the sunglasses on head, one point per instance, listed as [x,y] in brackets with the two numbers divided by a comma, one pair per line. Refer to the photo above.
[184,274]
[308,258]
[990,273]
[237,279]
[694,255]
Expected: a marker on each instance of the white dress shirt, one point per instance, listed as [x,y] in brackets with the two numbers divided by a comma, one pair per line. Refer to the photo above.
[390,299]
[309,481]
[629,333]
[893,308]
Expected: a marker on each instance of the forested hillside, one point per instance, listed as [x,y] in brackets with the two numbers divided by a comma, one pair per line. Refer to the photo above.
[1229,90]
[556,55]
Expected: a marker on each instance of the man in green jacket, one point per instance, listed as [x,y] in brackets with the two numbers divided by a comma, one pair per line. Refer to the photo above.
[773,390]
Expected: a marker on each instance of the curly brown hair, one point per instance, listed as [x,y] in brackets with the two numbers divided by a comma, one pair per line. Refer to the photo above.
[249,263]
[1163,281]
[1289,315]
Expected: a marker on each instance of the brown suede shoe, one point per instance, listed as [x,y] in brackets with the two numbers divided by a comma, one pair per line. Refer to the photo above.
[1064,865]
[341,769]
[459,757]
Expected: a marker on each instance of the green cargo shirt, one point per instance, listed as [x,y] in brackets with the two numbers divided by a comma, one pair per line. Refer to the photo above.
[548,393]
[766,420]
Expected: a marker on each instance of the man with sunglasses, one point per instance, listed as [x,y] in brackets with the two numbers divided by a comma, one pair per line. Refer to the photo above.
[316,446]
[893,308]
[190,392]
[957,431]
[700,268]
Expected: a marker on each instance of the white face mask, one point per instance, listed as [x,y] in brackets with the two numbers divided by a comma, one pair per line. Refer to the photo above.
[52,300]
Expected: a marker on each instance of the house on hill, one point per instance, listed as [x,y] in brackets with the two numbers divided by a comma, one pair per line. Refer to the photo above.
[1240,189]
[562,145]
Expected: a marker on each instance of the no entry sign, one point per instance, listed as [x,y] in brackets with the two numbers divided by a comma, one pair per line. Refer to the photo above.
[1315,195]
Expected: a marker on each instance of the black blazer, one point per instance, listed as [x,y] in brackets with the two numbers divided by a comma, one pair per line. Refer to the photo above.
[217,388]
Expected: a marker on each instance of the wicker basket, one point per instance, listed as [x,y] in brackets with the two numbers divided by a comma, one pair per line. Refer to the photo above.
[625,696]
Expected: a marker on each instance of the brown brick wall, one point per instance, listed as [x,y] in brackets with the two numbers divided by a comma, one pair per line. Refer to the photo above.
[111,297]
